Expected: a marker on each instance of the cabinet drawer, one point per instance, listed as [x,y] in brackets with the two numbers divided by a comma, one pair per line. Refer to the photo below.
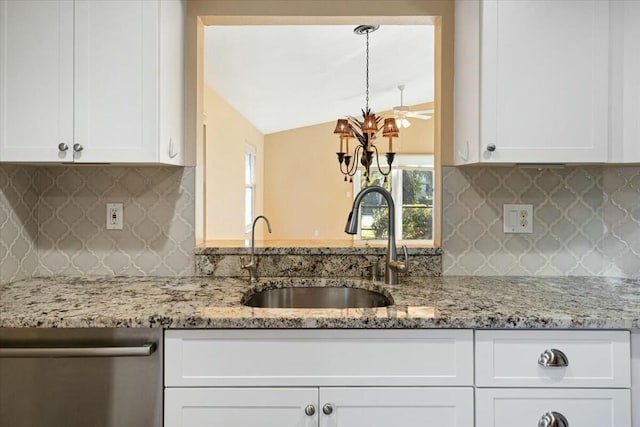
[511,359]
[196,358]
[582,407]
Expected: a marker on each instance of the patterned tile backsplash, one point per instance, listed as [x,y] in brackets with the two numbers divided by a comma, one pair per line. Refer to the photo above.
[63,210]
[18,222]
[586,221]
[158,237]
[622,221]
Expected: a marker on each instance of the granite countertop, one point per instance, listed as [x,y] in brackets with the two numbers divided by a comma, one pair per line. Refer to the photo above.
[310,247]
[430,302]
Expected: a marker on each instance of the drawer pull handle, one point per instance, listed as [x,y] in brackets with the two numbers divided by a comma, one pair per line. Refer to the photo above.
[553,358]
[553,419]
[310,410]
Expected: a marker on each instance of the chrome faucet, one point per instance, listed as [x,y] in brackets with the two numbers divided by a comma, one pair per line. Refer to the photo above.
[392,265]
[253,265]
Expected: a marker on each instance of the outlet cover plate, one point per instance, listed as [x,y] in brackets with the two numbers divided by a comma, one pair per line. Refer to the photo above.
[518,218]
[115,216]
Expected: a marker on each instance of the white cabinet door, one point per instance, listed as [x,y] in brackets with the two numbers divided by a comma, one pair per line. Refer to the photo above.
[240,407]
[406,407]
[544,81]
[116,80]
[522,407]
[36,80]
[625,82]
[171,82]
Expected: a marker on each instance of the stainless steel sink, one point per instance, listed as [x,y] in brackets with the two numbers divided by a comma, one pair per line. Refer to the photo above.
[318,297]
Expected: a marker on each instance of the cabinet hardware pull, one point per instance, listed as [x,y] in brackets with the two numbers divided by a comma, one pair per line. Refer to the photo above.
[491,147]
[310,410]
[77,148]
[172,153]
[63,147]
[143,350]
[553,358]
[327,409]
[553,419]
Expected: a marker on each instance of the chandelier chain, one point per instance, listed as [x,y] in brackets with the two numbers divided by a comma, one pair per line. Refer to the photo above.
[367,68]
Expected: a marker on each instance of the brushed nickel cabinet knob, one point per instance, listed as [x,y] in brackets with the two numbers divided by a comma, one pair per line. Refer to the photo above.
[553,358]
[77,148]
[310,410]
[553,419]
[491,148]
[63,147]
[327,409]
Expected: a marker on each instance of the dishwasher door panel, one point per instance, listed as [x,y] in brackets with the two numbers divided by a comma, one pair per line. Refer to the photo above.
[98,391]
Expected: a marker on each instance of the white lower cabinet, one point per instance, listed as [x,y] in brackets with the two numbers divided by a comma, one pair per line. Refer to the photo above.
[578,407]
[404,378]
[240,407]
[388,406]
[319,378]
[324,407]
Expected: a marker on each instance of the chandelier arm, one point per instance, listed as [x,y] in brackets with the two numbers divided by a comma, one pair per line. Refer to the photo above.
[378,163]
[352,168]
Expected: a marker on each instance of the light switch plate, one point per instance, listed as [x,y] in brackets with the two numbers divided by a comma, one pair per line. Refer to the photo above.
[518,218]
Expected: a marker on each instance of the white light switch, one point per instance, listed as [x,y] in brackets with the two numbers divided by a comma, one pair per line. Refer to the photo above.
[518,218]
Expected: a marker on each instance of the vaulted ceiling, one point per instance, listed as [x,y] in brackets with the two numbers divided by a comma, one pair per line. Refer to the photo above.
[289,76]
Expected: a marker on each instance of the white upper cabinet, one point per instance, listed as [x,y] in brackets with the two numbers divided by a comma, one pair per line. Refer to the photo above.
[105,77]
[36,80]
[625,82]
[531,81]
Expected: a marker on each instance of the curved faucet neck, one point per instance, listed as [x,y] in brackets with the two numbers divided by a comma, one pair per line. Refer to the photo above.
[253,233]
[391,231]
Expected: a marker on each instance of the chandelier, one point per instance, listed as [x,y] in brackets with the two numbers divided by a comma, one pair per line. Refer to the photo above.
[365,132]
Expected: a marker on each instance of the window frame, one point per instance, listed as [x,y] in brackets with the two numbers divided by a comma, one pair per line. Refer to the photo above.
[249,150]
[403,162]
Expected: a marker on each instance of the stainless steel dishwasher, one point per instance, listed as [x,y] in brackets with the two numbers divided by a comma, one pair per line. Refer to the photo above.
[109,377]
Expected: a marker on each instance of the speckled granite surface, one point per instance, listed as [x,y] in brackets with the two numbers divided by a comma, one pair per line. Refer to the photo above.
[318,259]
[432,302]
[309,250]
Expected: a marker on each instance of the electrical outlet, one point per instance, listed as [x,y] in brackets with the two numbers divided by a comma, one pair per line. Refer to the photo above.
[115,216]
[518,218]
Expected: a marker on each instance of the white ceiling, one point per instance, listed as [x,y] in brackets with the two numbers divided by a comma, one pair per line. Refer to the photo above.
[284,77]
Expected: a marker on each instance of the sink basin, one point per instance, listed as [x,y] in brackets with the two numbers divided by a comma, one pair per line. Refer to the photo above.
[318,297]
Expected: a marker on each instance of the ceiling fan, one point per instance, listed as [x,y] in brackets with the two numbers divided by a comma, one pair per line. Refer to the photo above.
[402,113]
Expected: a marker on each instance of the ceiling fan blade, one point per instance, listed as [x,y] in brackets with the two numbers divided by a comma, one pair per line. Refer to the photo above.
[419,116]
[422,111]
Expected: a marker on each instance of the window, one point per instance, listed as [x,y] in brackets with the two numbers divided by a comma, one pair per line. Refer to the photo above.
[411,185]
[249,187]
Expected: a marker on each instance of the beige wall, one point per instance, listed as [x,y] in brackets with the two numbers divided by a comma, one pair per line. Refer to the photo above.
[228,132]
[305,192]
